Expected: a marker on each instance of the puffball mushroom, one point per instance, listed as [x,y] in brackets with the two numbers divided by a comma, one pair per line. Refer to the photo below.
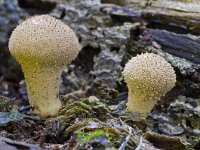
[43,45]
[148,77]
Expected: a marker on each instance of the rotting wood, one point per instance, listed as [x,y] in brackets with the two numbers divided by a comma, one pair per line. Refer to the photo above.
[184,46]
[180,15]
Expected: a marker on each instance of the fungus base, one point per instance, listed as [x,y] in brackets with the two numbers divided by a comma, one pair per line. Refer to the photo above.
[141,105]
[43,89]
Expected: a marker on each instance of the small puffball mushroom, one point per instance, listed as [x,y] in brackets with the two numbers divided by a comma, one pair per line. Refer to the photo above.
[43,45]
[148,77]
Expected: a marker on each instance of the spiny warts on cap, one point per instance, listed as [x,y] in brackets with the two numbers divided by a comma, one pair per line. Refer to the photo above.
[43,45]
[148,77]
[45,40]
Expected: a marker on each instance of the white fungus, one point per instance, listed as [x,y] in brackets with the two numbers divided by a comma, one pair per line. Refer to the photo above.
[148,77]
[43,45]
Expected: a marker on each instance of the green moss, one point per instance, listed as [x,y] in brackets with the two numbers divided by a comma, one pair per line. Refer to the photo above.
[86,108]
[86,136]
[5,104]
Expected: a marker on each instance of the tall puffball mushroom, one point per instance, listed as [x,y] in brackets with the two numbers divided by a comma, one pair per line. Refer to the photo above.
[43,45]
[148,77]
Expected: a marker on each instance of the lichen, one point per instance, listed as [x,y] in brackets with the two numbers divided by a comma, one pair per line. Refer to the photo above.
[14,116]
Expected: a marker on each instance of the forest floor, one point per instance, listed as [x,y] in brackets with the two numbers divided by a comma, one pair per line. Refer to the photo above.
[92,89]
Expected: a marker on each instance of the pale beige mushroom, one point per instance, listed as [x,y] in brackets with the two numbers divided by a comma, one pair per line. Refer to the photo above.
[43,45]
[148,77]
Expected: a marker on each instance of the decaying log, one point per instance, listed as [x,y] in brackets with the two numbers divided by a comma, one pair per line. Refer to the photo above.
[184,46]
[180,15]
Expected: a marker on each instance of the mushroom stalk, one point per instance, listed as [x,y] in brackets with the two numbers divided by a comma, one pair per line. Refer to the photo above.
[43,89]
[141,105]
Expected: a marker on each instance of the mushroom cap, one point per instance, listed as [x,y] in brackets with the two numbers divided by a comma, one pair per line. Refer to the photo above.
[149,76]
[43,40]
